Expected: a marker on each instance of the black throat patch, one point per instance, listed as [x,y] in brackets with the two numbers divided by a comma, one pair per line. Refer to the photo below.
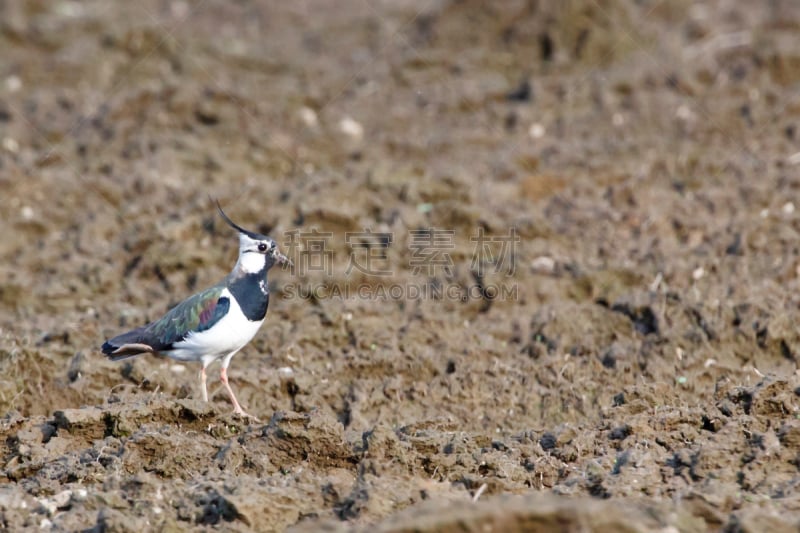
[252,294]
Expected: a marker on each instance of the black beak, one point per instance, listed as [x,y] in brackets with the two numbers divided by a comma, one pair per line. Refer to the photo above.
[280,258]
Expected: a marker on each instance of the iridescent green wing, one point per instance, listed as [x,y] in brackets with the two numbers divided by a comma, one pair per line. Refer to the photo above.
[197,313]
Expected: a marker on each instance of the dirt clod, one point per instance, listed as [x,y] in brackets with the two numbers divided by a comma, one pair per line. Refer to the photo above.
[557,285]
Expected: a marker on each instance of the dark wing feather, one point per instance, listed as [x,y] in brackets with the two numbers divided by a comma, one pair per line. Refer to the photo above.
[197,313]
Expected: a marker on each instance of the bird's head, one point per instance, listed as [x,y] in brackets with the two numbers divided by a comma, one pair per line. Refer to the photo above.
[257,252]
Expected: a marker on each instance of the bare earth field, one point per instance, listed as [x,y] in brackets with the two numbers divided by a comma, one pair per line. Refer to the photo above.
[628,364]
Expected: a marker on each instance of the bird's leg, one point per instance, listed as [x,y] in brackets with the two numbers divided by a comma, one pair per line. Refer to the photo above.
[203,383]
[237,409]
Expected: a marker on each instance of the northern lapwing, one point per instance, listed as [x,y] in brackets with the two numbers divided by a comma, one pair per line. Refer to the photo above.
[215,323]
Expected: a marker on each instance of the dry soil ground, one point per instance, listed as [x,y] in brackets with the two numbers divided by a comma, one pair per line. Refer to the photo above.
[635,371]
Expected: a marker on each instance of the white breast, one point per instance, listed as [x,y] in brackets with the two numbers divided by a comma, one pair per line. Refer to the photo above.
[228,335]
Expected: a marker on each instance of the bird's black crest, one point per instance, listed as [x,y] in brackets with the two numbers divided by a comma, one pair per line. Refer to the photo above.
[234,225]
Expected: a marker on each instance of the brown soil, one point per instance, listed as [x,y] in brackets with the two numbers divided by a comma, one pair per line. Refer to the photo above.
[639,374]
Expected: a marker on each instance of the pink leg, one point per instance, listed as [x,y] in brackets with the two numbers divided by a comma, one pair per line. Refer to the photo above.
[203,383]
[237,409]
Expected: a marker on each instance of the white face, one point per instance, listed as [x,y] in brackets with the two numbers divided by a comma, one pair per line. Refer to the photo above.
[256,253]
[248,244]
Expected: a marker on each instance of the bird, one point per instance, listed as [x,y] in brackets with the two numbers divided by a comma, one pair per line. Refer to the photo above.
[215,323]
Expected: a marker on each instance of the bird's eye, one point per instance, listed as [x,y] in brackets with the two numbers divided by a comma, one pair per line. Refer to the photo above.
[262,247]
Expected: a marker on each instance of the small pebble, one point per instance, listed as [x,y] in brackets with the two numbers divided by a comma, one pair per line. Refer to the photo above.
[788,208]
[13,84]
[10,145]
[309,117]
[351,128]
[656,282]
[536,131]
[55,502]
[698,273]
[543,265]
[684,113]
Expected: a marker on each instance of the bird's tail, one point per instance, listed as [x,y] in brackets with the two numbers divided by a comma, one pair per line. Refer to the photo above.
[127,345]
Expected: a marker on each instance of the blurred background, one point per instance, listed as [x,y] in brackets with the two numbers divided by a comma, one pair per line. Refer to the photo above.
[640,155]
